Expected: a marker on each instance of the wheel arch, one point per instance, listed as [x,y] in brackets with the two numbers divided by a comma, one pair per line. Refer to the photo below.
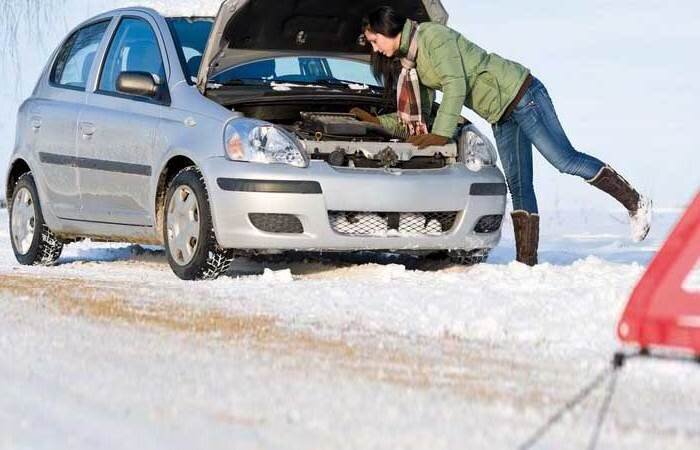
[18,168]
[174,165]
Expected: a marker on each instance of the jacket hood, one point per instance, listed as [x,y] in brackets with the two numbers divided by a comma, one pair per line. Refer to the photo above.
[245,30]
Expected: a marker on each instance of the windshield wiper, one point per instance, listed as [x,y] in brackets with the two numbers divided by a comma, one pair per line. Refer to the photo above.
[322,82]
[243,82]
[345,83]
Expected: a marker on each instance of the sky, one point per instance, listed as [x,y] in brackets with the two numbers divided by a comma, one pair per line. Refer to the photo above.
[623,77]
[622,74]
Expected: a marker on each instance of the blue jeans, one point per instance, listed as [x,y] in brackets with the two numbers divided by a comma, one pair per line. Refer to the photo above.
[534,121]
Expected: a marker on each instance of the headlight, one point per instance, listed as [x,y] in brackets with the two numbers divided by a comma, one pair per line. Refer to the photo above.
[255,141]
[476,151]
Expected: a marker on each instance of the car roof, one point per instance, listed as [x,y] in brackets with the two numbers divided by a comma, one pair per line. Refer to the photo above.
[112,13]
[139,9]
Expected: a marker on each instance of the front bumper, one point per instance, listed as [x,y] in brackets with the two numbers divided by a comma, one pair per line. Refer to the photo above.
[238,189]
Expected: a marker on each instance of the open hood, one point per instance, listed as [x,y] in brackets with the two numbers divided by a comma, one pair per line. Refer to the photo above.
[245,30]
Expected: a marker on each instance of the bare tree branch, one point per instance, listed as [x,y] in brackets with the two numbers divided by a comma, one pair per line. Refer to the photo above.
[24,16]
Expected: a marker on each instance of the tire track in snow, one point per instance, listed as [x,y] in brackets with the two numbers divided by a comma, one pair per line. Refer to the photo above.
[446,363]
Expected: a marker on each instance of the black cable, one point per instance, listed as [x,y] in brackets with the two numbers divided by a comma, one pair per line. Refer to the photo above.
[605,407]
[618,362]
[584,393]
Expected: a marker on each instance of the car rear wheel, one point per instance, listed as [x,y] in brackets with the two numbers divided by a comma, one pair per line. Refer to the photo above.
[190,243]
[32,241]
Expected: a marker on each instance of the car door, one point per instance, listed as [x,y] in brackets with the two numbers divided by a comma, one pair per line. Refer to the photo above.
[117,132]
[53,117]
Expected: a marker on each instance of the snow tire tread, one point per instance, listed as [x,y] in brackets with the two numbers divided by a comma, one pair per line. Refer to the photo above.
[468,258]
[49,247]
[218,260]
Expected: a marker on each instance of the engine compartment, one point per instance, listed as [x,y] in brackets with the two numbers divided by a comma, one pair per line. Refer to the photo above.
[331,134]
[342,140]
[342,126]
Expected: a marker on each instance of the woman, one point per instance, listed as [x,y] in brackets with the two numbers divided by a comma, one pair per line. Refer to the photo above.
[435,57]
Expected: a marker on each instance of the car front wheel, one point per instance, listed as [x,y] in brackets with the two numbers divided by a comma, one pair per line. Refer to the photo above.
[32,241]
[190,243]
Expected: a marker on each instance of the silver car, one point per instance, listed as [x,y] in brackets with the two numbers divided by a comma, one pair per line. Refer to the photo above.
[218,136]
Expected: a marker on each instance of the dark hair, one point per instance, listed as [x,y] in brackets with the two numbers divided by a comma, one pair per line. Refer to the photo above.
[387,21]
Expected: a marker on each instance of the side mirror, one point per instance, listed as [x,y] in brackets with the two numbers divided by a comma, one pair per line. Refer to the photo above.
[138,83]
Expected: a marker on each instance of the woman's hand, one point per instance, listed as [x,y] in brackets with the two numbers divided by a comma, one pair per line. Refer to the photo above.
[364,116]
[426,140]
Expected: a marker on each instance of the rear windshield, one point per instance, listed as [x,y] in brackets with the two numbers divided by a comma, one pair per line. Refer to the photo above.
[190,35]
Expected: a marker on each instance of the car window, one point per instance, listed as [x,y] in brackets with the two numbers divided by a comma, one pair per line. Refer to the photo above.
[134,48]
[74,60]
[190,35]
[302,69]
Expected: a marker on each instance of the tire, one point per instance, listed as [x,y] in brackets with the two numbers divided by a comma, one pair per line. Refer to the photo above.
[190,243]
[33,243]
[469,257]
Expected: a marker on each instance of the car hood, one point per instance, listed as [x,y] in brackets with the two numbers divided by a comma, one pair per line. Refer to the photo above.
[246,30]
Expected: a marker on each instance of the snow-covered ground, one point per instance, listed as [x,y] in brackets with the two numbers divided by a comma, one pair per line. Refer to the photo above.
[110,350]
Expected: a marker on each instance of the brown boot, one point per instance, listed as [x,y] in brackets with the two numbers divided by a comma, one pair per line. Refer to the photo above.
[638,206]
[527,236]
[609,181]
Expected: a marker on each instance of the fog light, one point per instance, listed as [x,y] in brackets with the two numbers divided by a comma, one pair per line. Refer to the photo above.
[488,224]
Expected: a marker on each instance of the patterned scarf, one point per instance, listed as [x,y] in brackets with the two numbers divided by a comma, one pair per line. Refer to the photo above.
[408,90]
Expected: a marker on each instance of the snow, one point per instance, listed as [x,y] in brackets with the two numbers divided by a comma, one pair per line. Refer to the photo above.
[169,8]
[108,349]
[641,220]
[277,86]
[358,87]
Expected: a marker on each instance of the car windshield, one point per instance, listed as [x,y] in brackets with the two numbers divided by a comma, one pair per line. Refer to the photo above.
[304,71]
[191,35]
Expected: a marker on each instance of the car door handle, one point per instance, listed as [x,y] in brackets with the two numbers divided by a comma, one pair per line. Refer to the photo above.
[36,123]
[87,129]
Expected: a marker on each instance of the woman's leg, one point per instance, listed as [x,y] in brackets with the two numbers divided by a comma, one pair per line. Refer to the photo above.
[515,151]
[538,119]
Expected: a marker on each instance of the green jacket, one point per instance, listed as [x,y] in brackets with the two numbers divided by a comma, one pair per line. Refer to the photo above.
[466,74]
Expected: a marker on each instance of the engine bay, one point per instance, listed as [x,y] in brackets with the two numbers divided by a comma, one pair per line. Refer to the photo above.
[342,126]
[344,141]
[331,134]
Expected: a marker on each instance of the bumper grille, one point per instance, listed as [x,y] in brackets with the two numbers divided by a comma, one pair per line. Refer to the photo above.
[382,223]
[276,223]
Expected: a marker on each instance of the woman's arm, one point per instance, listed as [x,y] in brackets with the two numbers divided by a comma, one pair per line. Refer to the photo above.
[446,58]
